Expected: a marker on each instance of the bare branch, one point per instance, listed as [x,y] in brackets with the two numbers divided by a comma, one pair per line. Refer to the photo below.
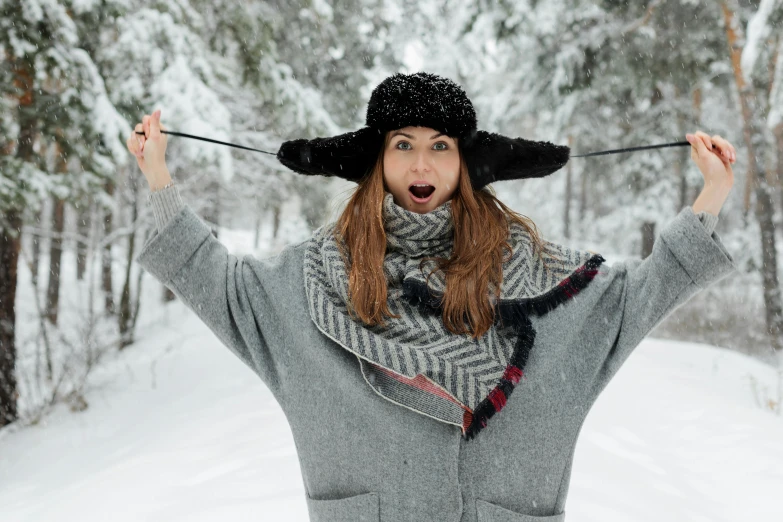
[636,24]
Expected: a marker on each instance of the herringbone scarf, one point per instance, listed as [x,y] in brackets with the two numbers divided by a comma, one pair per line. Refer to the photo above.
[415,361]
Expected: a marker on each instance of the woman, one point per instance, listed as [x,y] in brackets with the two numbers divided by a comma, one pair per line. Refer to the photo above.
[430,293]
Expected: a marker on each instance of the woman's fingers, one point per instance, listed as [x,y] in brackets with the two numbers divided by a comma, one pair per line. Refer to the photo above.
[705,139]
[721,147]
[155,125]
[146,123]
[725,148]
[714,144]
[697,143]
[151,156]
[140,138]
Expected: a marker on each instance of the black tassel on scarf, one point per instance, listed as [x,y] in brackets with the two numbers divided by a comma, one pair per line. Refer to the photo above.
[515,313]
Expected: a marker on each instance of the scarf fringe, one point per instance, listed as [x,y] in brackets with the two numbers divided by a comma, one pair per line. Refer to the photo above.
[566,289]
[515,313]
[497,398]
[422,297]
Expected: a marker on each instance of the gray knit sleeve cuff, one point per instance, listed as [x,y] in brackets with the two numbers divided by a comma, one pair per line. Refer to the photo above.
[703,255]
[166,203]
[708,220]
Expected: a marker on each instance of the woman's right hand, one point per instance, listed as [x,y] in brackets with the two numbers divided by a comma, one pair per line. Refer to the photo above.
[150,150]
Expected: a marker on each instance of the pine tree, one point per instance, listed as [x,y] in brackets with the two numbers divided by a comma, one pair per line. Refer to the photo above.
[754,95]
[57,94]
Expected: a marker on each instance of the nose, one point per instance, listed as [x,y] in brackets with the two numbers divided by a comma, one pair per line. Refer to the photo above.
[420,162]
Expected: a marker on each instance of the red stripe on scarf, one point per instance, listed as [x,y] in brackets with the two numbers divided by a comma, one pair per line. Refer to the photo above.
[512,374]
[497,398]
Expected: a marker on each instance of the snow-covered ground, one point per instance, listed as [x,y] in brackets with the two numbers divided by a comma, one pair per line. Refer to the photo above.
[178,429]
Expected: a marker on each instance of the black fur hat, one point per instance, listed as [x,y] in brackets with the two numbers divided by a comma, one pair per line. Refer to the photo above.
[423,100]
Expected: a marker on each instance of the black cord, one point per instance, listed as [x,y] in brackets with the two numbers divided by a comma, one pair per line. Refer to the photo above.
[674,144]
[615,151]
[212,141]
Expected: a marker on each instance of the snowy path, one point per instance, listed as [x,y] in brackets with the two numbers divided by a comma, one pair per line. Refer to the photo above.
[179,430]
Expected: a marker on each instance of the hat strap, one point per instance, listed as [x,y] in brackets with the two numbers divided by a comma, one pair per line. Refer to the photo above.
[214,141]
[615,151]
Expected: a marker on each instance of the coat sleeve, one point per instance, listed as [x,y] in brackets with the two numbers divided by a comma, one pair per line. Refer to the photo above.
[224,291]
[637,295]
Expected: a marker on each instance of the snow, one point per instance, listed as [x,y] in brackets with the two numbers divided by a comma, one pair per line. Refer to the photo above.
[106,120]
[178,429]
[413,56]
[757,33]
[188,103]
[323,9]
[775,117]
[302,105]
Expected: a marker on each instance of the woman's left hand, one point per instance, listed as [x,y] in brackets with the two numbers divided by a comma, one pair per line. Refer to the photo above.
[714,156]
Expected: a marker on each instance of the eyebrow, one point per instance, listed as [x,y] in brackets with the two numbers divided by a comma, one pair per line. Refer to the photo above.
[409,136]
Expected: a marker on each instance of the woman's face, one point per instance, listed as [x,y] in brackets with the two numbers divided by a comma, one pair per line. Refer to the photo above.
[421,156]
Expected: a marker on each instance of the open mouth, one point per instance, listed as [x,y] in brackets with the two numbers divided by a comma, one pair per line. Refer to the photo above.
[421,192]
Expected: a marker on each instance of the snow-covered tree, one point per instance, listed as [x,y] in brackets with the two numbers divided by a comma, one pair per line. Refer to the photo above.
[58,95]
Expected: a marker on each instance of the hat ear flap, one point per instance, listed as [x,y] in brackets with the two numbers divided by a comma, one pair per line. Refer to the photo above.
[492,157]
[349,156]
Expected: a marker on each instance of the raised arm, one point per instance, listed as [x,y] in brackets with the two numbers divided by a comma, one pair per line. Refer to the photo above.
[227,293]
[688,256]
[637,295]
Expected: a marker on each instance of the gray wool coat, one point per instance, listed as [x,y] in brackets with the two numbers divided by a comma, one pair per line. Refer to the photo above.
[364,458]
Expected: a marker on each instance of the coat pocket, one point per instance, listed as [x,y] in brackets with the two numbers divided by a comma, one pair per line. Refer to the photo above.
[489,512]
[365,507]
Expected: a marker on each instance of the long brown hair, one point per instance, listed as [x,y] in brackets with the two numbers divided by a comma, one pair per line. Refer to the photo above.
[481,231]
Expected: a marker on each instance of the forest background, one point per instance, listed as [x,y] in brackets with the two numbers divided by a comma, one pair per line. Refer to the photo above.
[76,75]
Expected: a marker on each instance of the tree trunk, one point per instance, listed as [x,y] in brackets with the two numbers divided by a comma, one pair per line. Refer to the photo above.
[106,283]
[275,220]
[568,192]
[125,316]
[779,167]
[755,142]
[735,35]
[257,233]
[695,190]
[583,197]
[681,157]
[777,132]
[648,238]
[83,231]
[56,244]
[769,273]
[36,241]
[9,259]
[55,257]
[697,104]
[35,237]
[10,244]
